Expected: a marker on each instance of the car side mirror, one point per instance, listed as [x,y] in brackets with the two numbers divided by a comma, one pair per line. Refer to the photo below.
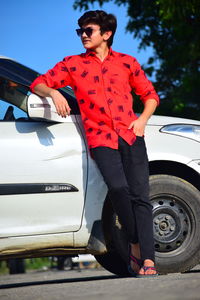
[40,108]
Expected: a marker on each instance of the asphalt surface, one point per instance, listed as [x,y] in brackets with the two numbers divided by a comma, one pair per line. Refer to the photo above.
[98,284]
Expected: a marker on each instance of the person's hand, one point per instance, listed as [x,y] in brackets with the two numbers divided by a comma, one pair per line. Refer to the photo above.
[61,104]
[138,126]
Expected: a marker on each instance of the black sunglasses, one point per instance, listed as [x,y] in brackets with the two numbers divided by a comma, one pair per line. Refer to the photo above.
[88,31]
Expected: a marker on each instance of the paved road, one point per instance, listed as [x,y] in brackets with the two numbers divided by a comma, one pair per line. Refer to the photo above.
[98,284]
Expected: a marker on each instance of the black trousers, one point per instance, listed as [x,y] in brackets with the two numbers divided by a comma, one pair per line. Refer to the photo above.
[126,174]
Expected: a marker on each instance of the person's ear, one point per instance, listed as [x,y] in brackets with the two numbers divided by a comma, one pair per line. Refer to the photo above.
[107,35]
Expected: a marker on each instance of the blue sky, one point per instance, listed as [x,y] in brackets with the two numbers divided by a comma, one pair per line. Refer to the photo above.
[39,33]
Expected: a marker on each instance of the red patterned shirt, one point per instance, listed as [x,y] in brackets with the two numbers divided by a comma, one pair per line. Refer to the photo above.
[103,91]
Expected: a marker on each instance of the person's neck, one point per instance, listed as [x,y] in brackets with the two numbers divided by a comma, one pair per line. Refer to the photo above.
[102,52]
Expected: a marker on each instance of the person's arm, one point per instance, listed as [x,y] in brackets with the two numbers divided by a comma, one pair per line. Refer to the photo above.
[46,86]
[61,104]
[145,89]
[138,125]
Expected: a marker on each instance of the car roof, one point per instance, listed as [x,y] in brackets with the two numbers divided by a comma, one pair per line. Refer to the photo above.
[5,57]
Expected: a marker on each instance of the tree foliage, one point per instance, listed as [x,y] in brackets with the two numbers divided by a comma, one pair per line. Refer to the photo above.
[172,28]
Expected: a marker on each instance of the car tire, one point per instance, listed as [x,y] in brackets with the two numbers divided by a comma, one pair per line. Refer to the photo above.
[176,220]
[176,217]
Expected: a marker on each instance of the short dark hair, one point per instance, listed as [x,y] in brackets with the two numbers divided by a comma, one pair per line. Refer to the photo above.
[107,22]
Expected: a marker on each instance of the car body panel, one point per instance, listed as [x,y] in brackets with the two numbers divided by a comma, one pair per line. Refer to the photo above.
[36,245]
[42,153]
[168,147]
[165,120]
[195,165]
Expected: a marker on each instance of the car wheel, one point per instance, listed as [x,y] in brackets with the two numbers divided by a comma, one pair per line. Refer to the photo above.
[176,220]
[114,263]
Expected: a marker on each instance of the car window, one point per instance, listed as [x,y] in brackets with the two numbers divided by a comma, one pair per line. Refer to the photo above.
[13,97]
[11,112]
[15,80]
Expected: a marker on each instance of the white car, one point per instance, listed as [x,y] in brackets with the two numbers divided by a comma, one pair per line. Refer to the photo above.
[53,200]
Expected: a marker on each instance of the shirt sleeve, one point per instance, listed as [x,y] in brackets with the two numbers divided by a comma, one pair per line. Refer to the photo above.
[55,78]
[140,83]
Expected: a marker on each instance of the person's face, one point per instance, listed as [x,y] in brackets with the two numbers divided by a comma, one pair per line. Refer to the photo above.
[92,38]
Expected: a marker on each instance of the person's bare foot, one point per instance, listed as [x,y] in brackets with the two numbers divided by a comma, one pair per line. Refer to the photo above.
[150,268]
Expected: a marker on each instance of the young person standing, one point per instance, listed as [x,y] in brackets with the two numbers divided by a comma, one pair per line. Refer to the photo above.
[102,80]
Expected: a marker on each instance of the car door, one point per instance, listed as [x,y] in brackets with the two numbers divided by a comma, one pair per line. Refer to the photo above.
[43,170]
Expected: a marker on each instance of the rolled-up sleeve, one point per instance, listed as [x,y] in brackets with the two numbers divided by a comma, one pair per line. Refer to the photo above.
[56,77]
[141,85]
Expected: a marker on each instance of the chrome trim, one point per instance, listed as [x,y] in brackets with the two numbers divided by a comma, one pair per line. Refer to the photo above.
[35,188]
[38,105]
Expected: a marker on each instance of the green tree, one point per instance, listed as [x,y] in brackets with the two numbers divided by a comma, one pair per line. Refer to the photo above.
[172,29]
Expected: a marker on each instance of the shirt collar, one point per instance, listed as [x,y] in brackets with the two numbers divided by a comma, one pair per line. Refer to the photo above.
[92,54]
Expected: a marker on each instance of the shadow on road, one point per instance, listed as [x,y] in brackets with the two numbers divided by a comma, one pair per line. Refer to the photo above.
[57,281]
[192,271]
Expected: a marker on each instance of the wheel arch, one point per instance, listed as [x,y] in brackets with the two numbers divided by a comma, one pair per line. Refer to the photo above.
[177,169]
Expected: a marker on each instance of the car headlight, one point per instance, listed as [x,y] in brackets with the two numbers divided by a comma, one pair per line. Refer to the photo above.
[185,130]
